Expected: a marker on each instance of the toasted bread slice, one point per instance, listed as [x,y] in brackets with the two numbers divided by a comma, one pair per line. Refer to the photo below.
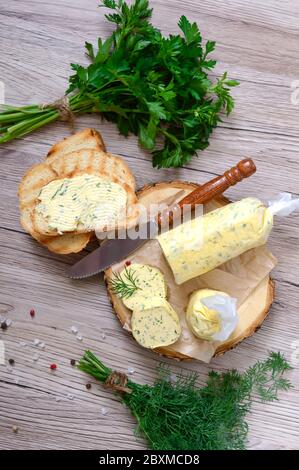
[68,243]
[35,178]
[62,244]
[31,184]
[116,166]
[92,159]
[86,139]
[94,162]
[26,220]
[33,181]
[129,219]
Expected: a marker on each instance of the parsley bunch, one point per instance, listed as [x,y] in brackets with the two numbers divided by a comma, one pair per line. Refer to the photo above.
[178,415]
[153,86]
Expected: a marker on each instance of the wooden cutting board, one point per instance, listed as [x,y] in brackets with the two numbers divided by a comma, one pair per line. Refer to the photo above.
[254,309]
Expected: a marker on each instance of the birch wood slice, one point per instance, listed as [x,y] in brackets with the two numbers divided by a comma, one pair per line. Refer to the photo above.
[253,310]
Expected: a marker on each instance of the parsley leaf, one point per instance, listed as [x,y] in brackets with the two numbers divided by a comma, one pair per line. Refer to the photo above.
[150,85]
[160,82]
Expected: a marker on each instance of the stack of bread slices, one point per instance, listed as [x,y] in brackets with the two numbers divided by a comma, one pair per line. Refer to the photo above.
[83,153]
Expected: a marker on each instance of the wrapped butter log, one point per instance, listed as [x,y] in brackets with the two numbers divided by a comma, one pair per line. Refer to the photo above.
[212,315]
[204,243]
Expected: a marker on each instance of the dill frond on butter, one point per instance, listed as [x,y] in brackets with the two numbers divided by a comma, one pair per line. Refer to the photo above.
[124,284]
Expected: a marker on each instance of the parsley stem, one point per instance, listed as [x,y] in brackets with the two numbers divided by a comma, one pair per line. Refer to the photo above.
[28,122]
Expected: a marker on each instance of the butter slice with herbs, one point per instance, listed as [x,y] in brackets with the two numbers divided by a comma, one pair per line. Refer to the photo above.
[203,321]
[83,201]
[150,281]
[202,244]
[156,324]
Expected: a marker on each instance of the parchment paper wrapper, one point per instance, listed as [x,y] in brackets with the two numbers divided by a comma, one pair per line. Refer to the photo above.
[238,277]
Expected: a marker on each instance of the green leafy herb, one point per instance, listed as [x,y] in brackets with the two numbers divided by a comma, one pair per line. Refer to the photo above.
[124,284]
[180,416]
[153,86]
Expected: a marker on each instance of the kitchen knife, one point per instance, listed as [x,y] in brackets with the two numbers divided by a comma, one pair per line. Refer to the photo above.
[114,250]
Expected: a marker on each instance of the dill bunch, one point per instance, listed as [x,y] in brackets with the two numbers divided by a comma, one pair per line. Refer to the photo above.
[156,87]
[181,416]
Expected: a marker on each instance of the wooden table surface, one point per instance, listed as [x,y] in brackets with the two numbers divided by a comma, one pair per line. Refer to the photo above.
[257,42]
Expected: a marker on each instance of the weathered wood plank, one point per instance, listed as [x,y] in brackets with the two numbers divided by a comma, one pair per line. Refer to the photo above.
[257,44]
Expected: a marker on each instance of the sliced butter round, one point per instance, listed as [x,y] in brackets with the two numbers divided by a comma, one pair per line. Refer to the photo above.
[150,281]
[203,321]
[155,325]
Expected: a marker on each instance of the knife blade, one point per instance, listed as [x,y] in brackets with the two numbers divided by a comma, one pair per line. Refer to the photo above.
[110,252]
[114,250]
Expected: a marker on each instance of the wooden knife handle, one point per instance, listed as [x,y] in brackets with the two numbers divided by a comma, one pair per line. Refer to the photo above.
[209,190]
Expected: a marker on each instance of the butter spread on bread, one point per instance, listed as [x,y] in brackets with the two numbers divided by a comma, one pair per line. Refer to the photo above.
[84,200]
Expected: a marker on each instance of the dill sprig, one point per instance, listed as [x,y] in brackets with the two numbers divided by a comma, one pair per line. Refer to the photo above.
[124,284]
[178,415]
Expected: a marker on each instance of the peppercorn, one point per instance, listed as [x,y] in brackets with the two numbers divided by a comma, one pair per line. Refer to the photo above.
[73,362]
[4,325]
[32,312]
[128,263]
[88,386]
[11,362]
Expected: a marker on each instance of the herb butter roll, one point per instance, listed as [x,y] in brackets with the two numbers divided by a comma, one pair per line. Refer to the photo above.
[211,314]
[155,324]
[202,244]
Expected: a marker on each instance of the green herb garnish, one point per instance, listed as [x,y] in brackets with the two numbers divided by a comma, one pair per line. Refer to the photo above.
[149,85]
[181,416]
[57,191]
[124,284]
